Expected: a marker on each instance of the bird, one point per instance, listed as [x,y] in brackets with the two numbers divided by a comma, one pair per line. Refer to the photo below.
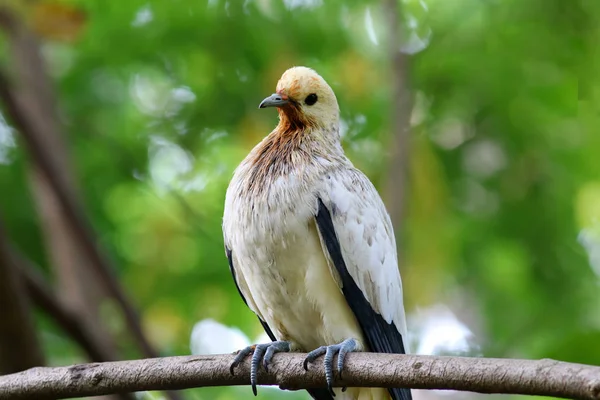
[310,244]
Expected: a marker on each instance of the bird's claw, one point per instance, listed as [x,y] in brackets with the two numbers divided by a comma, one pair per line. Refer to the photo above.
[264,351]
[342,349]
[241,354]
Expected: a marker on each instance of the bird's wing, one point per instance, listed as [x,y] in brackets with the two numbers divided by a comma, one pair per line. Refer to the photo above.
[265,326]
[316,394]
[358,239]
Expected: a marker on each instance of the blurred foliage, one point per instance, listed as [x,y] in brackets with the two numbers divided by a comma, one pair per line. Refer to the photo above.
[159,100]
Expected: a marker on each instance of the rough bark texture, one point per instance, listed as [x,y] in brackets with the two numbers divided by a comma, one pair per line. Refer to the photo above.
[484,375]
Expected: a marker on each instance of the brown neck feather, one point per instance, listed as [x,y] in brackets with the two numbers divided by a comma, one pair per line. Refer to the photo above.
[291,117]
[274,156]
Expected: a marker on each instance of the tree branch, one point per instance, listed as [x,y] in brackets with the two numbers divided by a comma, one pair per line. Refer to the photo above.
[485,375]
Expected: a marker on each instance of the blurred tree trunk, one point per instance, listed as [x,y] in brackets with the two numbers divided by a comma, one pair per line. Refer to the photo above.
[396,187]
[78,283]
[19,346]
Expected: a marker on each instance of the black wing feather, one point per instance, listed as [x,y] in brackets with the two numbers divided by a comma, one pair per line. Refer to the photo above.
[381,337]
[317,394]
[230,259]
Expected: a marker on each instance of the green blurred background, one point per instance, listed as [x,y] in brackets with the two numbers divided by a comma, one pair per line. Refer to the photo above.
[157,103]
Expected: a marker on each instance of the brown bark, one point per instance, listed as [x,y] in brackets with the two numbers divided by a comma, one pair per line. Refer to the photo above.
[19,346]
[484,375]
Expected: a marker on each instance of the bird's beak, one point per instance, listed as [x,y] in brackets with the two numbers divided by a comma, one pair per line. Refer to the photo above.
[274,100]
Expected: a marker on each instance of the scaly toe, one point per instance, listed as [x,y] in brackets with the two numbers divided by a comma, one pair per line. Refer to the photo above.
[347,346]
[264,352]
[313,355]
[275,347]
[328,364]
[256,357]
[342,349]
[240,357]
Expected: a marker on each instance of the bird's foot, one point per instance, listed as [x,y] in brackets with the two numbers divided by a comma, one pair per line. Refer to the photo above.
[263,351]
[342,349]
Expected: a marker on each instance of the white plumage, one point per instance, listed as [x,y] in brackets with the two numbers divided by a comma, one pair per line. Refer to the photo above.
[366,236]
[279,257]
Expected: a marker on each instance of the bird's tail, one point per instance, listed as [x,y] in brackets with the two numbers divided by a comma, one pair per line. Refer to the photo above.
[401,394]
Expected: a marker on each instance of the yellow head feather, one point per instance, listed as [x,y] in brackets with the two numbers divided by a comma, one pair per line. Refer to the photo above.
[312,102]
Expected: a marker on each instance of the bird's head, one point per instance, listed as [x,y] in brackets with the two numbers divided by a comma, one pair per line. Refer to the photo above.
[304,100]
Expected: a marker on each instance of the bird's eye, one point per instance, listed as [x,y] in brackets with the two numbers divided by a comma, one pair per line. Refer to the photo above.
[311,99]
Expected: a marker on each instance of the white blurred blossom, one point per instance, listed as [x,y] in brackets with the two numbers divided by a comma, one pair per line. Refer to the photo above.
[211,337]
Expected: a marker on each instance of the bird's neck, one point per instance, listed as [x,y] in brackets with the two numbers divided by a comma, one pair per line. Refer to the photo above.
[291,119]
[290,149]
[307,140]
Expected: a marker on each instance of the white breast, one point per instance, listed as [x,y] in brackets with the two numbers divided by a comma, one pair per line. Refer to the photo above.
[280,264]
